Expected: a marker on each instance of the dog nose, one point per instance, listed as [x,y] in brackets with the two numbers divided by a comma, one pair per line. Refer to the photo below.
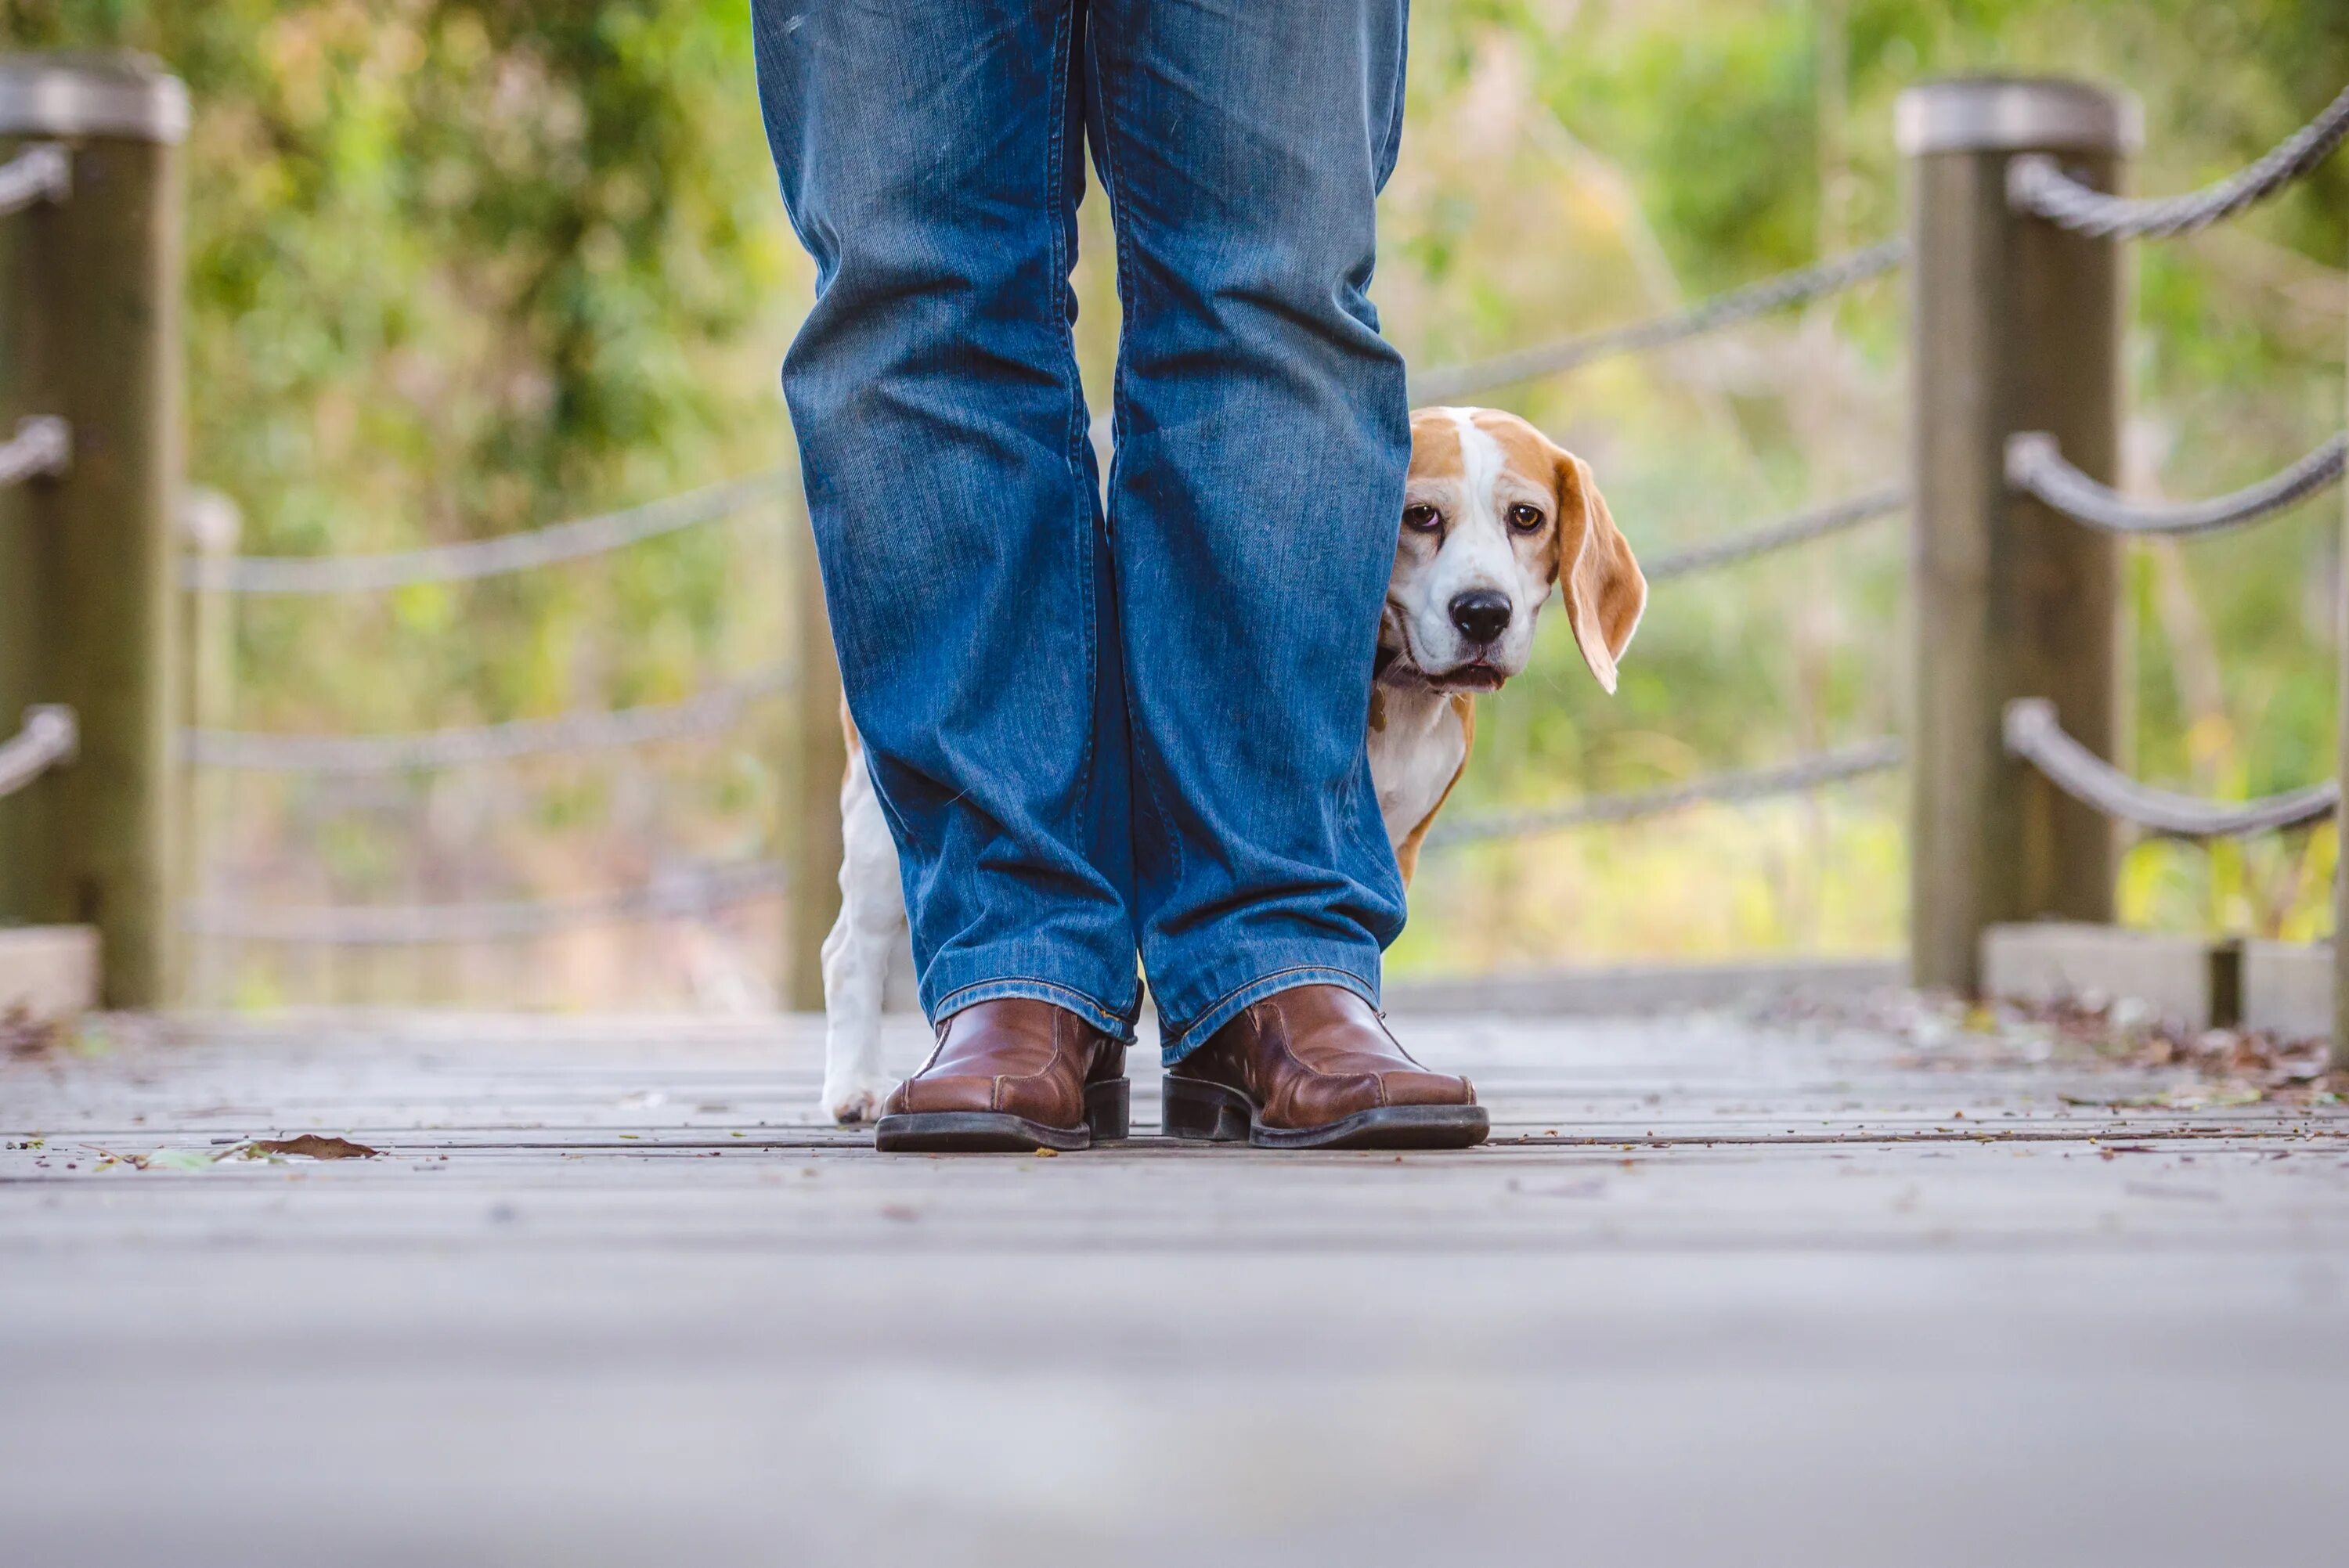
[1482,614]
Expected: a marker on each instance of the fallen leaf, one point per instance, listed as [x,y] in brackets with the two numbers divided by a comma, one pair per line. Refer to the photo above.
[310,1144]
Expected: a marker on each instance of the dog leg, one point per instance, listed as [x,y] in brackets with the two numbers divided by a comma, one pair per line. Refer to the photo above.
[856,954]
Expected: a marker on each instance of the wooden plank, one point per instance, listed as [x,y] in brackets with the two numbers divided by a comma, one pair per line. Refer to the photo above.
[1640,988]
[2288,987]
[2068,961]
[2188,981]
[574,1310]
[718,1416]
[48,974]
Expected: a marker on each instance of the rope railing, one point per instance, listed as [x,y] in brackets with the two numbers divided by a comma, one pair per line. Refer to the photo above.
[48,739]
[40,172]
[690,894]
[705,713]
[1828,277]
[42,448]
[2035,465]
[1846,762]
[1800,528]
[478,558]
[596,535]
[2034,733]
[2037,184]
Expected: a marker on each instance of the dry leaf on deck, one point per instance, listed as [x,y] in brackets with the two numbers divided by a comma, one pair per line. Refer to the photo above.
[311,1144]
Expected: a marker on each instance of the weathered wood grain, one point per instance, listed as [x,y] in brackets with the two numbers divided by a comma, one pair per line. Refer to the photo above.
[1721,1288]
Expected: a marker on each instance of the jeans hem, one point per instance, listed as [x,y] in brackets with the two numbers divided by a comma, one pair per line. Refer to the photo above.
[1116,1025]
[1181,1042]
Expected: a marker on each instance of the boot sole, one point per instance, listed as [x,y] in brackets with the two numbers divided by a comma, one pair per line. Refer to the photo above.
[1108,1117]
[1209,1113]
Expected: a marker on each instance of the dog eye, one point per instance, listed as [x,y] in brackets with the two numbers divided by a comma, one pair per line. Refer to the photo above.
[1422,517]
[1524,519]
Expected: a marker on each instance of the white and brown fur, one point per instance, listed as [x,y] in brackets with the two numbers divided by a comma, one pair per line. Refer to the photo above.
[1491,507]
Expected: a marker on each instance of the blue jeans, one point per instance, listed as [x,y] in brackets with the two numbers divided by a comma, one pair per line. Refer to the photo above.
[1098,733]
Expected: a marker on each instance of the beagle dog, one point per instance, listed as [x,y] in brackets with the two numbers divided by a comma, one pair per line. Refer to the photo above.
[1493,515]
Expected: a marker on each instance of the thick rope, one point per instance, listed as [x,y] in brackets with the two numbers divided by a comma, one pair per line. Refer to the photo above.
[1442,385]
[48,739]
[2034,734]
[688,894]
[478,558]
[1800,528]
[39,173]
[42,448]
[2036,467]
[706,713]
[1856,761]
[2037,184]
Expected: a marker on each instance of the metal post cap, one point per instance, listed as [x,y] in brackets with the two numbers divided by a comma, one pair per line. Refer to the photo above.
[2016,113]
[102,95]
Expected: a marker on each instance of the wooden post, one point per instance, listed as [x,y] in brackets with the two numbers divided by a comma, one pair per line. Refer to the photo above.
[819,758]
[2015,326]
[89,330]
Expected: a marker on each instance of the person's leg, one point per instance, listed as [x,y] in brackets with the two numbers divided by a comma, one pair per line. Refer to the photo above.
[1262,438]
[930,154]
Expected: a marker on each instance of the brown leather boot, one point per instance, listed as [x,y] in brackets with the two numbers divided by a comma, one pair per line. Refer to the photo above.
[1315,1067]
[1010,1076]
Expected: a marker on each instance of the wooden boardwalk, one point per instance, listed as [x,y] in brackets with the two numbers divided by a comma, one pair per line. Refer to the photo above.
[1722,1289]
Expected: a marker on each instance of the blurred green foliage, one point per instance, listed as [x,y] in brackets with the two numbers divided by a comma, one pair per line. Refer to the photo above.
[1599,161]
[458,267]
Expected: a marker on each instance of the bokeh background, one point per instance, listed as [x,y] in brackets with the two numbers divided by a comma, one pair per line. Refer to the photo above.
[459,267]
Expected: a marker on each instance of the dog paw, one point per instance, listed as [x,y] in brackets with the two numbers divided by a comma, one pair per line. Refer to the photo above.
[856,1100]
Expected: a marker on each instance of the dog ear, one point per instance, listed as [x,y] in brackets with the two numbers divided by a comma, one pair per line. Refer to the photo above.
[1605,594]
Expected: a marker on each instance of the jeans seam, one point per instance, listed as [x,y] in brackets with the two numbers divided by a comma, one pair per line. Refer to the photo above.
[1129,288]
[1177,1037]
[1055,184]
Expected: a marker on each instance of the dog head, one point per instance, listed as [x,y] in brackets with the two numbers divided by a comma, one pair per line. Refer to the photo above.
[1495,514]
